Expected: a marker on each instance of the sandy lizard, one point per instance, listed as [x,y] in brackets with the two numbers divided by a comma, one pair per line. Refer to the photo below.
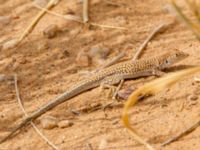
[111,75]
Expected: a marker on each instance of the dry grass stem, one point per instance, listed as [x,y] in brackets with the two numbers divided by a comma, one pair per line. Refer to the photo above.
[113,3]
[85,11]
[36,19]
[33,125]
[67,17]
[107,26]
[113,60]
[141,48]
[195,28]
[144,44]
[185,132]
[194,7]
[151,88]
[77,19]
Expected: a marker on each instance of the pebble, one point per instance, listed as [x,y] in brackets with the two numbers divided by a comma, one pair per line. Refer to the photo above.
[192,97]
[120,20]
[10,44]
[48,122]
[65,124]
[50,31]
[75,32]
[42,45]
[124,93]
[192,103]
[66,53]
[99,51]
[114,122]
[103,144]
[85,40]
[82,59]
[5,20]
[197,79]
[2,77]
[197,91]
[72,69]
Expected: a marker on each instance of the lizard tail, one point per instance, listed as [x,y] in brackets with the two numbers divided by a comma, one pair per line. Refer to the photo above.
[23,123]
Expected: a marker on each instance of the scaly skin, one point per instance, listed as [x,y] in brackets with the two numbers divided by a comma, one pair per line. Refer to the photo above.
[111,75]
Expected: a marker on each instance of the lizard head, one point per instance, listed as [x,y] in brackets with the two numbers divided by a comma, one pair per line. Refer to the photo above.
[171,58]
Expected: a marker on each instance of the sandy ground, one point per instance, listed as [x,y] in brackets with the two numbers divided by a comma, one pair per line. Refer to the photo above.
[47,67]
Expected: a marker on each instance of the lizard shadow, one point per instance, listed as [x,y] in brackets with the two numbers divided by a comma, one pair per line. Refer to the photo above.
[177,68]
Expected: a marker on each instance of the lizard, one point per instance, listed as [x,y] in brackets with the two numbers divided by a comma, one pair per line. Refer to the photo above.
[110,76]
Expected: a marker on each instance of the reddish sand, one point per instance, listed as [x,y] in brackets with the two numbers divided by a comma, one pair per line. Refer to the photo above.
[44,73]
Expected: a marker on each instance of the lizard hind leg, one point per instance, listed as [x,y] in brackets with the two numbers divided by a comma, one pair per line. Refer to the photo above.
[109,83]
[107,86]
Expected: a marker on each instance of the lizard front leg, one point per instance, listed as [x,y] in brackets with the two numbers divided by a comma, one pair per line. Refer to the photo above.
[157,72]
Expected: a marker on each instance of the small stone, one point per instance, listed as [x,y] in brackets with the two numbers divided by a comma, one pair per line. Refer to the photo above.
[124,93]
[2,77]
[48,122]
[5,20]
[10,44]
[197,91]
[103,143]
[192,103]
[82,59]
[121,20]
[99,51]
[193,97]
[74,32]
[114,122]
[23,60]
[72,69]
[86,39]
[65,124]
[63,54]
[51,31]
[42,46]
[66,53]
[197,79]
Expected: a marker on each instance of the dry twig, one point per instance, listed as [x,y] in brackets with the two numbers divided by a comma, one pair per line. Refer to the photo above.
[185,132]
[114,3]
[195,28]
[85,11]
[36,19]
[150,89]
[67,17]
[77,19]
[112,61]
[194,7]
[141,48]
[33,125]
[151,36]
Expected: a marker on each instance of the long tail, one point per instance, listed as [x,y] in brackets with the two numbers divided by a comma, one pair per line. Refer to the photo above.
[64,97]
[83,86]
[23,123]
